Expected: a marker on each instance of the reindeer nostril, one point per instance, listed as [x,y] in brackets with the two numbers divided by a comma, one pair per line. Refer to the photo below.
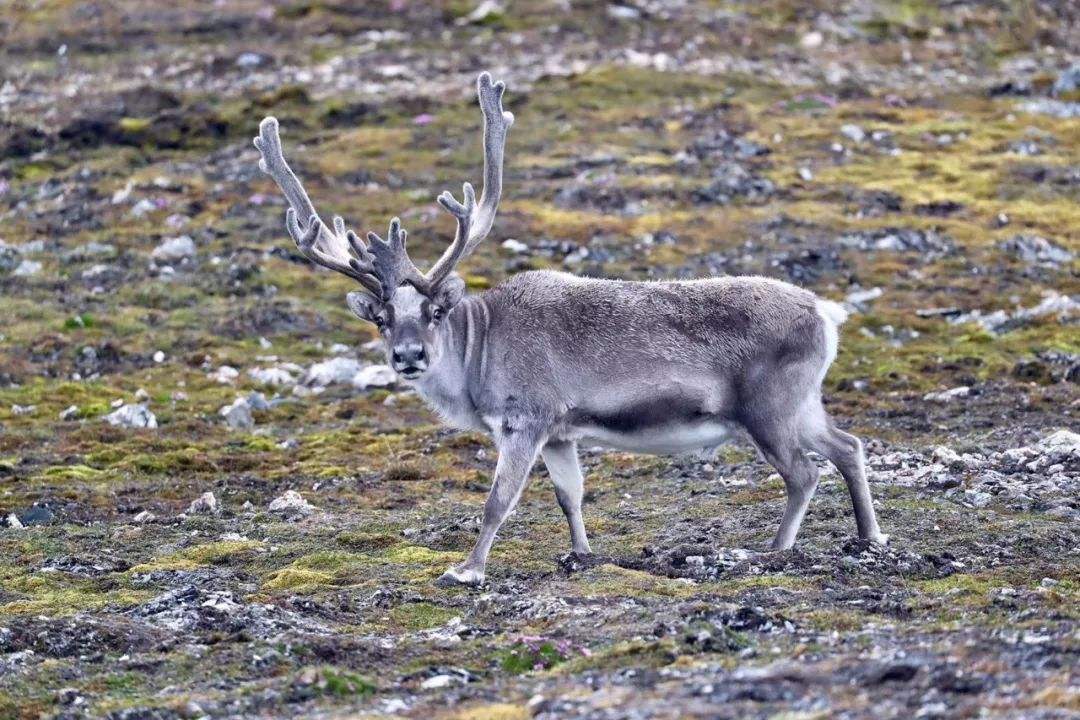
[396,356]
[420,356]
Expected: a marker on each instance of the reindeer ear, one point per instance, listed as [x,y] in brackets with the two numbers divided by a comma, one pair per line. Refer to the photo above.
[449,292]
[363,305]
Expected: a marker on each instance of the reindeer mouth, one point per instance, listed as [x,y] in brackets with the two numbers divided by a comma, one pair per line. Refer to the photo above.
[411,373]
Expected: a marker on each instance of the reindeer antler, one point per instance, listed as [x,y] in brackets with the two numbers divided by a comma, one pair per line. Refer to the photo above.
[316,241]
[382,265]
[474,221]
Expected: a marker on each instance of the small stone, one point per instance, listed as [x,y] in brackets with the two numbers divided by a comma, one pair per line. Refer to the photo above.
[13,521]
[159,357]
[374,376]
[19,410]
[1062,441]
[945,396]
[238,415]
[333,371]
[141,395]
[89,250]
[623,12]
[281,375]
[144,517]
[70,412]
[27,268]
[205,504]
[515,246]
[812,40]
[143,207]
[291,503]
[250,60]
[858,300]
[438,681]
[174,250]
[226,375]
[486,11]
[67,696]
[1033,249]
[132,416]
[806,174]
[853,133]
[946,456]
[697,561]
[1068,82]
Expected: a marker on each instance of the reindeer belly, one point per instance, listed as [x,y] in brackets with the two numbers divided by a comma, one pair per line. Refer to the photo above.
[662,424]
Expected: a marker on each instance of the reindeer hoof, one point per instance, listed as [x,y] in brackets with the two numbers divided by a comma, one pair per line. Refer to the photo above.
[880,539]
[454,576]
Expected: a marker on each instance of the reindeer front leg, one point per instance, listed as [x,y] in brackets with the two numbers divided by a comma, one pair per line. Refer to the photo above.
[517,453]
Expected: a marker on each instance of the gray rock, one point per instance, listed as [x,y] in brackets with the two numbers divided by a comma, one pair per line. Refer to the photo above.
[731,180]
[283,375]
[9,257]
[374,376]
[27,268]
[88,251]
[515,246]
[291,503]
[205,503]
[859,300]
[238,415]
[1068,81]
[132,416]
[853,133]
[946,396]
[1033,249]
[339,370]
[1064,442]
[174,250]
[1063,306]
[1054,108]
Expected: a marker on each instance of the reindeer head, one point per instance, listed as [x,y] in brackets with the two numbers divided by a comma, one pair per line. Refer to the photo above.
[407,306]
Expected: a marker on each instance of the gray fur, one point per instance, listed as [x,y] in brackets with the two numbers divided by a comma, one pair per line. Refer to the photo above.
[547,360]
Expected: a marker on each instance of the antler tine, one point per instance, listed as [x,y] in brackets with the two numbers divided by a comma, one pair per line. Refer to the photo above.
[391,263]
[475,220]
[317,242]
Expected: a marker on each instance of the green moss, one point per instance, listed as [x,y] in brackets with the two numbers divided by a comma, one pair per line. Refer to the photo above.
[78,473]
[418,555]
[608,580]
[421,616]
[215,553]
[297,579]
[58,598]
[134,125]
[493,711]
[358,540]
[633,653]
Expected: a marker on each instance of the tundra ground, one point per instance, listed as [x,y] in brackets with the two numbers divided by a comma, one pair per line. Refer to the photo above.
[918,161]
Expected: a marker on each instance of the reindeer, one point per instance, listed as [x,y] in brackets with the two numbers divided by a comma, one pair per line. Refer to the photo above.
[547,360]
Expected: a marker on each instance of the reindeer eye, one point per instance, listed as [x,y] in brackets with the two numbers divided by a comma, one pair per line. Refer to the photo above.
[437,313]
